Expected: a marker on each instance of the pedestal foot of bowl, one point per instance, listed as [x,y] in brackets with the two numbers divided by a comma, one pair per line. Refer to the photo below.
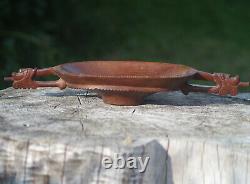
[123,98]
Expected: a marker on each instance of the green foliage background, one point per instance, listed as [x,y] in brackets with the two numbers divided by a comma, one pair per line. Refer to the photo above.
[211,35]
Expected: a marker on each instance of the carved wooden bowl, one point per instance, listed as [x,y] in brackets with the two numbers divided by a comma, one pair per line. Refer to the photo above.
[127,82]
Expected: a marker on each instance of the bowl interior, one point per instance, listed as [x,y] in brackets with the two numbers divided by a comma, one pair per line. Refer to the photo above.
[126,68]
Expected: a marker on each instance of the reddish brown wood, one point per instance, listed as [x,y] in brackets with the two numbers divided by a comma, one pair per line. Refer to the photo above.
[24,79]
[127,82]
[225,84]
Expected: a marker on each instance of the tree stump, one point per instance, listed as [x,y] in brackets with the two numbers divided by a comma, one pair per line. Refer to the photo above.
[50,136]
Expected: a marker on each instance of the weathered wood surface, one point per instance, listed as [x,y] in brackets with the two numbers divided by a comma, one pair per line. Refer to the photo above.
[53,136]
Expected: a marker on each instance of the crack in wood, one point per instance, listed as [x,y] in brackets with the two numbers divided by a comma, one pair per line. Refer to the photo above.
[79,100]
[247,168]
[80,116]
[64,163]
[167,160]
[25,161]
[202,160]
[218,162]
[100,166]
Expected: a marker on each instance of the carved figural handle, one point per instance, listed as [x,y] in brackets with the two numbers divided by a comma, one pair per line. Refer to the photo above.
[25,79]
[225,84]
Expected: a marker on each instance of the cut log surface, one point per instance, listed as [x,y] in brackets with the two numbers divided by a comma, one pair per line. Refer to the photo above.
[50,136]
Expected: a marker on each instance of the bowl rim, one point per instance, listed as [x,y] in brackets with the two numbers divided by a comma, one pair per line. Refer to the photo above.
[188,72]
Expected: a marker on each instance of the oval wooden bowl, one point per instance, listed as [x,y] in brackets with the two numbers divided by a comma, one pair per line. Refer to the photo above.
[126,82]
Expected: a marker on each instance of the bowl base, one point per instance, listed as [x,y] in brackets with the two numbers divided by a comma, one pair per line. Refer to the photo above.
[123,98]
